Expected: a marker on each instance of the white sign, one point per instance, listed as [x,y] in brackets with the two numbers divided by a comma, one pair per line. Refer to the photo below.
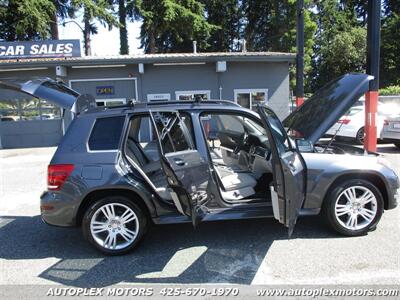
[158,97]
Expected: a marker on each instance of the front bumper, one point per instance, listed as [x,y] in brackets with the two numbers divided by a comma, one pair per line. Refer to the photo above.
[394,193]
[57,209]
[396,199]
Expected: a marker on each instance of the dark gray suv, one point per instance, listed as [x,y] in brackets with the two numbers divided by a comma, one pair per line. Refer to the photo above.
[119,169]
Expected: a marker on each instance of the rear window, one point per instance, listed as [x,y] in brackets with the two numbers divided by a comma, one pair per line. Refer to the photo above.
[106,133]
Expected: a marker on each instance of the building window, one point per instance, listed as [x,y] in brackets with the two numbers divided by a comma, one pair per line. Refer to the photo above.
[191,95]
[249,98]
[110,102]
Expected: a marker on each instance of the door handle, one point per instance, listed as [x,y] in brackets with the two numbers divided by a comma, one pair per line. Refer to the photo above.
[179,162]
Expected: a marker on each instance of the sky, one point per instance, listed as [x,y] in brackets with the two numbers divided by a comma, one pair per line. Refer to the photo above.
[106,42]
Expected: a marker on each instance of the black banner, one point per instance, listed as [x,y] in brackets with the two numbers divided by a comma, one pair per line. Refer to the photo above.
[40,49]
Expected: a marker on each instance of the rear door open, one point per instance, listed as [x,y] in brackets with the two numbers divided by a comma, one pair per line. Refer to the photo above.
[187,173]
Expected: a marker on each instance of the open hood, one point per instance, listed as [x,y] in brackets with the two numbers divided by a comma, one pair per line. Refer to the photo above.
[52,91]
[320,112]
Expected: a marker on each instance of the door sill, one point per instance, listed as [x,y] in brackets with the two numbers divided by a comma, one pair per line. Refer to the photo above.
[219,214]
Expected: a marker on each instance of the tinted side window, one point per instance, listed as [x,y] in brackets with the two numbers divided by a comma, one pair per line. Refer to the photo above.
[106,133]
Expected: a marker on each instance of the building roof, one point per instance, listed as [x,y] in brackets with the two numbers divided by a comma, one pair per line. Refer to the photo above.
[154,58]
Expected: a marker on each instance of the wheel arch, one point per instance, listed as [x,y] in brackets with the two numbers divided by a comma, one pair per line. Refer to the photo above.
[134,196]
[373,178]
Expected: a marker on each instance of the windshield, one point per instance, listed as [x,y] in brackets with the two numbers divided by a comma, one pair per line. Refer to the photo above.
[278,132]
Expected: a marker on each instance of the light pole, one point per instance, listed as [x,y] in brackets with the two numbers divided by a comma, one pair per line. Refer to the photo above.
[300,54]
[86,36]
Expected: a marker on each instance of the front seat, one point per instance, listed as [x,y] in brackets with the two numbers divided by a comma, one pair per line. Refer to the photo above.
[235,185]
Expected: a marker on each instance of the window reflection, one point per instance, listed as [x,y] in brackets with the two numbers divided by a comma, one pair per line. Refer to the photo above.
[28,109]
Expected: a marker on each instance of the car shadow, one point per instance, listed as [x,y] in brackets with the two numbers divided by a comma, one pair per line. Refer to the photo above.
[215,252]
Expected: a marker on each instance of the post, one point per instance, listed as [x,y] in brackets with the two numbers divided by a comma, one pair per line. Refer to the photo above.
[300,54]
[194,47]
[373,52]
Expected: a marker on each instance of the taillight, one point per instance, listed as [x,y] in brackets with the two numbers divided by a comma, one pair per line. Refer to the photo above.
[57,175]
[344,121]
[385,122]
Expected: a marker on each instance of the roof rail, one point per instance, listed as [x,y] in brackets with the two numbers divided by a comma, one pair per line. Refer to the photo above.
[193,102]
[131,104]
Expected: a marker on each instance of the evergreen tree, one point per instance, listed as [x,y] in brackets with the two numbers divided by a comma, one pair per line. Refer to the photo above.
[338,26]
[62,10]
[271,26]
[227,15]
[94,9]
[172,25]
[390,44]
[127,10]
[25,19]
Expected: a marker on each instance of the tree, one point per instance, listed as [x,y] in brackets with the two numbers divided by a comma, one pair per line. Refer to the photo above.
[227,15]
[62,10]
[25,19]
[172,25]
[338,26]
[94,9]
[346,53]
[126,10]
[271,26]
[390,45]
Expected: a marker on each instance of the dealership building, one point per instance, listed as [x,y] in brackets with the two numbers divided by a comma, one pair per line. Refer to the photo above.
[247,78]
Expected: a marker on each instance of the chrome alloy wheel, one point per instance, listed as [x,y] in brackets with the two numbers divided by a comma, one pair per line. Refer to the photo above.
[356,207]
[114,226]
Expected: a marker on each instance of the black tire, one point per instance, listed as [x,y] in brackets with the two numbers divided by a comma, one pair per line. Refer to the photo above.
[142,223]
[360,136]
[397,144]
[330,203]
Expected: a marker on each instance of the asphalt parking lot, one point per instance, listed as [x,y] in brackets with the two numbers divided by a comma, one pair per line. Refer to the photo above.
[243,252]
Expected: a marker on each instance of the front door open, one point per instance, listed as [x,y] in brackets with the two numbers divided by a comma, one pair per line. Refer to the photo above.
[187,173]
[289,171]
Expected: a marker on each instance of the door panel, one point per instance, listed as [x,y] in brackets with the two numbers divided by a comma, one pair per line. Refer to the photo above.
[293,172]
[289,171]
[187,172]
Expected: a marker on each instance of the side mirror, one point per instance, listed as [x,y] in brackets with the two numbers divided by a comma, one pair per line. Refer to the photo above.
[304,145]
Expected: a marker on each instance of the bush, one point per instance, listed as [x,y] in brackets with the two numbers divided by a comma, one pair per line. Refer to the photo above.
[390,90]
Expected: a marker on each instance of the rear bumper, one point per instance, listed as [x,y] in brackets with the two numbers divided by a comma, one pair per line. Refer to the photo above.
[393,136]
[57,209]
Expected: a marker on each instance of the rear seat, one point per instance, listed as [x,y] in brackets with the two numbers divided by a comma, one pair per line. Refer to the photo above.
[152,168]
[135,152]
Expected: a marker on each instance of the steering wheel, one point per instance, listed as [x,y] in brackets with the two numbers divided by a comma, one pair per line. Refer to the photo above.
[242,142]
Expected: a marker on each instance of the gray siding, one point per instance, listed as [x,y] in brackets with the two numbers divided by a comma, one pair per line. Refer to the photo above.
[259,75]
[273,76]
[34,133]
